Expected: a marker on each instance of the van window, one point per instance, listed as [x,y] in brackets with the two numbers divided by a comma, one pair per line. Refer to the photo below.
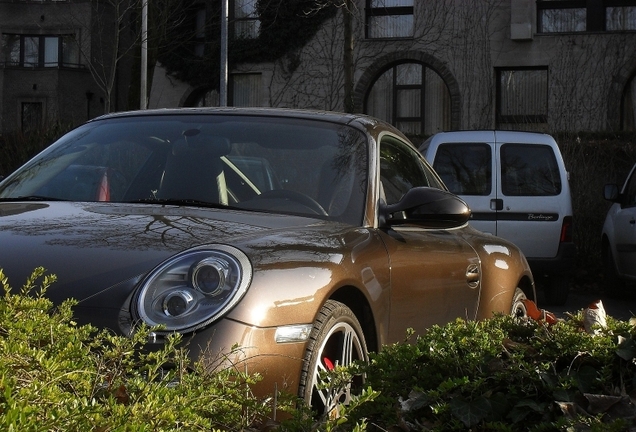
[529,170]
[466,168]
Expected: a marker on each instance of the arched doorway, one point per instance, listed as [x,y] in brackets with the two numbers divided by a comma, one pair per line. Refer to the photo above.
[411,89]
[412,97]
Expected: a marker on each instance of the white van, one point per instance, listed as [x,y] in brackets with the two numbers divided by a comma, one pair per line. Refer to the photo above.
[517,187]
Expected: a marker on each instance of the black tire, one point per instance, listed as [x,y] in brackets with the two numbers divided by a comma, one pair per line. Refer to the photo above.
[556,290]
[337,336]
[614,285]
[518,308]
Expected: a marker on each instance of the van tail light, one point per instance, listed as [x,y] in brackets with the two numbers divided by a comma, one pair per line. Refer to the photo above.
[566,229]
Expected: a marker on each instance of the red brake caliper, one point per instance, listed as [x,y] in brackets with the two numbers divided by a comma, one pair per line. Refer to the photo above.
[328,363]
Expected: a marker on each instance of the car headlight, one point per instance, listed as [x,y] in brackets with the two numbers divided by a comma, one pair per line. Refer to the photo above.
[194,288]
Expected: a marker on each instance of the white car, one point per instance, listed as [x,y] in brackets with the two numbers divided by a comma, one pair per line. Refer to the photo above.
[619,234]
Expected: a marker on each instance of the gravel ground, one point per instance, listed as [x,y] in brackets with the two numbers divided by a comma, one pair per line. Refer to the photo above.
[619,308]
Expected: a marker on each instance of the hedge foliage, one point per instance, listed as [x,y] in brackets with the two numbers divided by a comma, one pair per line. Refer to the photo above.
[57,376]
[504,374]
[500,374]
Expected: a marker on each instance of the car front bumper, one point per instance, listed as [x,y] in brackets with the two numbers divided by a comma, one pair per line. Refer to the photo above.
[250,349]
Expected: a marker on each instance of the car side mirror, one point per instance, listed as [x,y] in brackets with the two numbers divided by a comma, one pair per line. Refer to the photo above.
[610,192]
[427,207]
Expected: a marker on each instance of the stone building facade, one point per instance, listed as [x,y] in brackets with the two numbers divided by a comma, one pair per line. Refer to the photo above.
[47,49]
[451,64]
[424,66]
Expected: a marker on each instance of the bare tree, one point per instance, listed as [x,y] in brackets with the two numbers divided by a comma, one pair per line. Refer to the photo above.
[109,31]
[464,37]
[313,76]
[106,33]
[581,73]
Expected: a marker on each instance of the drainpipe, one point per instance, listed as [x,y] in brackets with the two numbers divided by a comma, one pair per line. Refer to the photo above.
[223,83]
[143,99]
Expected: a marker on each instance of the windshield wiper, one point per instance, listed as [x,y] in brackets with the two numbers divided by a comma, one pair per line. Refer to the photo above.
[183,202]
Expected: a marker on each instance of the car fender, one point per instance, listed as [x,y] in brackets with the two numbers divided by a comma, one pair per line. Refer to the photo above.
[299,278]
[504,268]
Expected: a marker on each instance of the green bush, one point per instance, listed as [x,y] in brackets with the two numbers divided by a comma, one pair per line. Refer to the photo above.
[57,376]
[501,374]
[506,375]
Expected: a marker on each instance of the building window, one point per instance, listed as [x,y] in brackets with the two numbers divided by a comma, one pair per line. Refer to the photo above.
[620,18]
[561,16]
[522,97]
[566,16]
[389,19]
[31,114]
[40,51]
[245,90]
[245,19]
[412,97]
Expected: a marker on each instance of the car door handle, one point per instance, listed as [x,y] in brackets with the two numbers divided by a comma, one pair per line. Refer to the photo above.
[472,275]
[496,204]
[632,222]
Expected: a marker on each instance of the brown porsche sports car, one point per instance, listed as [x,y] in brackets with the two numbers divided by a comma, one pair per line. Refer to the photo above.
[307,238]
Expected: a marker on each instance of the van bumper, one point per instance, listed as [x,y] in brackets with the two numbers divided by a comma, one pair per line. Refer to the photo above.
[561,264]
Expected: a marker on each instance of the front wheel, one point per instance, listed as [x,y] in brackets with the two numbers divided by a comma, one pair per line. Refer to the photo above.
[519,309]
[336,339]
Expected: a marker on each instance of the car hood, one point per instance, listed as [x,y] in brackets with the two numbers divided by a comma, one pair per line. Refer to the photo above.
[95,247]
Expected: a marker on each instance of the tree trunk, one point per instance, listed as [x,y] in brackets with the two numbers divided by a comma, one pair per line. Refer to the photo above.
[347,17]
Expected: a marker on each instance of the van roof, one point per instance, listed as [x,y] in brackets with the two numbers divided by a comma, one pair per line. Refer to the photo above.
[491,136]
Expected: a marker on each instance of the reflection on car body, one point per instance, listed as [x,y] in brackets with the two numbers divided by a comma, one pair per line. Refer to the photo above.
[307,238]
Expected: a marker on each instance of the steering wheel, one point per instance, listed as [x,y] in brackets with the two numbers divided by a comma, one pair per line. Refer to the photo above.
[295,196]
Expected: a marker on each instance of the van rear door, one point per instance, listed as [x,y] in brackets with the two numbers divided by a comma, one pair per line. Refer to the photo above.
[532,184]
[465,162]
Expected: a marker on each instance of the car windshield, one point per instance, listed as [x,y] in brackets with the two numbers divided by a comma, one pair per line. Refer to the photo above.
[274,164]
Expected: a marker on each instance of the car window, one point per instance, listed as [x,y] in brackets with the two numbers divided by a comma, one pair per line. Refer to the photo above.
[401,169]
[529,170]
[465,168]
